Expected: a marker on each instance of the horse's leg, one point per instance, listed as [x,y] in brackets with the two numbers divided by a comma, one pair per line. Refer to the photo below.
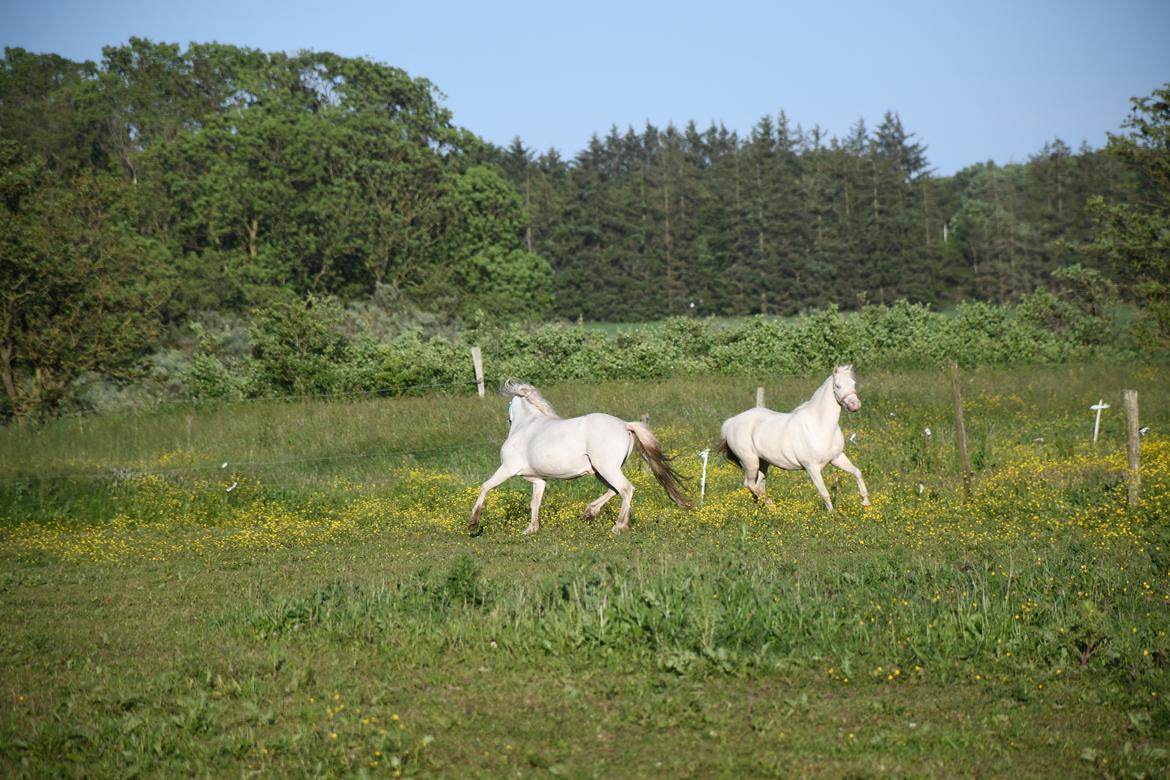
[842,462]
[751,474]
[537,494]
[499,477]
[814,473]
[611,474]
[761,477]
[594,507]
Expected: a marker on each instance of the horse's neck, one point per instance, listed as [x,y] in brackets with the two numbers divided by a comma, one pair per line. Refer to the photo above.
[524,413]
[823,406]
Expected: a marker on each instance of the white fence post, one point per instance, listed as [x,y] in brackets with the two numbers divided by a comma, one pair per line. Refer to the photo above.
[1098,407]
[703,480]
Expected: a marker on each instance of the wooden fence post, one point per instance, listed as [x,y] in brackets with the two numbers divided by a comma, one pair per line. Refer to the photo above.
[477,361]
[961,429]
[759,396]
[1133,447]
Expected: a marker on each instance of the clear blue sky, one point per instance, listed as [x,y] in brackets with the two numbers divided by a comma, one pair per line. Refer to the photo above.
[974,81]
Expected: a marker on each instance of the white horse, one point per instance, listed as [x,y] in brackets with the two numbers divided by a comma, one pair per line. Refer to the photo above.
[806,438]
[542,446]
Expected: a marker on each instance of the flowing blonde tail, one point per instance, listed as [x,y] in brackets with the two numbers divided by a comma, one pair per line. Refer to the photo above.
[651,452]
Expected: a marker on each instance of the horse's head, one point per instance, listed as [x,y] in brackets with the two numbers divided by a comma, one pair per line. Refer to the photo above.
[526,403]
[845,388]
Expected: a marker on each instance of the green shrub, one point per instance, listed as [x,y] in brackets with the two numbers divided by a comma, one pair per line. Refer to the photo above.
[1080,310]
[897,333]
[986,334]
[410,365]
[299,348]
[207,376]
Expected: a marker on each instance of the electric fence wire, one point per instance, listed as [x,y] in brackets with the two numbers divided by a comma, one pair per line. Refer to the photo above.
[125,472]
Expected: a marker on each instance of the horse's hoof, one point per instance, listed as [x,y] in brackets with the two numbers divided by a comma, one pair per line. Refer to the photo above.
[474,529]
[530,530]
[618,528]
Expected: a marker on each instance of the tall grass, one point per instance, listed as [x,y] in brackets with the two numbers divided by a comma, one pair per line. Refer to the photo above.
[875,616]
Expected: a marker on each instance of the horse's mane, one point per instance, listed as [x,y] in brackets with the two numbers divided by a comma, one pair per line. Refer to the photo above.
[530,394]
[848,368]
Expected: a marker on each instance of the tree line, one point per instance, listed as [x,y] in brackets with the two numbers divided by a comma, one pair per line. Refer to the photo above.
[641,225]
[161,186]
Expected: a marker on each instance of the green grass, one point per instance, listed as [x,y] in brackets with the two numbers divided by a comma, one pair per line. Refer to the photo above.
[330,616]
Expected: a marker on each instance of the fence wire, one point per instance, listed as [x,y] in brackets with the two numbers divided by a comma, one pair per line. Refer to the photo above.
[123,472]
[116,472]
[386,391]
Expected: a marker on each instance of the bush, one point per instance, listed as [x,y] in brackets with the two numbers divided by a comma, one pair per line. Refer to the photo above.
[297,348]
[896,332]
[1079,311]
[301,348]
[410,365]
[207,376]
[545,353]
[387,314]
[986,334]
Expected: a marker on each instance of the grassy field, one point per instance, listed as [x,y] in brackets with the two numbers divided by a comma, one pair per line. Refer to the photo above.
[315,607]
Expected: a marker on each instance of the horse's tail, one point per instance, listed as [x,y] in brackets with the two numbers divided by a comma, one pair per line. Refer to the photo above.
[727,453]
[651,452]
